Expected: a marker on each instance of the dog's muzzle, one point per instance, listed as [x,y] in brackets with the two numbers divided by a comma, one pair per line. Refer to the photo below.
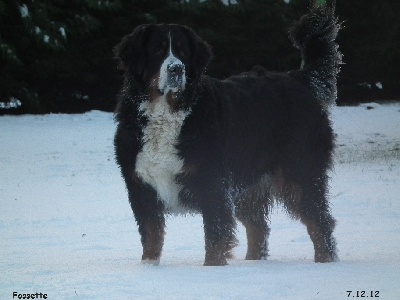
[172,76]
[175,77]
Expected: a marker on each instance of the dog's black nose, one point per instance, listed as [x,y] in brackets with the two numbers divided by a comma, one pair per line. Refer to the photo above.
[175,69]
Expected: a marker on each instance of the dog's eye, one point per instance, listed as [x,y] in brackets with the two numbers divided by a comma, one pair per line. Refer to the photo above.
[160,51]
[181,52]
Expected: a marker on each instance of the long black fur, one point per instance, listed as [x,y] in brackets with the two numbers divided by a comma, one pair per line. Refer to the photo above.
[248,139]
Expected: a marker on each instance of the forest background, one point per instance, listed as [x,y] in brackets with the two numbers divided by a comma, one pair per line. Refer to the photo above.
[56,55]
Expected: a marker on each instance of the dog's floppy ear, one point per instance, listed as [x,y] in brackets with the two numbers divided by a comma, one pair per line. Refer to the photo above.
[201,55]
[130,52]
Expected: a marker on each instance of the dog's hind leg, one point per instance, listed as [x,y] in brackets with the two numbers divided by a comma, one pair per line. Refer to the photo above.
[315,214]
[257,232]
[252,210]
[320,231]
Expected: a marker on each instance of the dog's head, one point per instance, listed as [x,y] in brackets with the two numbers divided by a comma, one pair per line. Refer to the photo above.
[163,58]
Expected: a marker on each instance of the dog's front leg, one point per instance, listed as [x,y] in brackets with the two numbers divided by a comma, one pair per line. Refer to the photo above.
[149,216]
[152,237]
[219,229]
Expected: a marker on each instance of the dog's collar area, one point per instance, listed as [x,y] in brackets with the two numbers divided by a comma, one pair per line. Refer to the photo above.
[173,92]
[160,92]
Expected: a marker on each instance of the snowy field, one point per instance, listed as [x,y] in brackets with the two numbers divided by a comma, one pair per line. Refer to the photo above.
[66,227]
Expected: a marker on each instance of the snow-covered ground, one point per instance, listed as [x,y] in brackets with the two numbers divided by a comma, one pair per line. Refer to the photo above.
[66,228]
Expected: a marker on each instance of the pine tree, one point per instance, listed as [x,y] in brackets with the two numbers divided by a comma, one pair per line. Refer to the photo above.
[35,39]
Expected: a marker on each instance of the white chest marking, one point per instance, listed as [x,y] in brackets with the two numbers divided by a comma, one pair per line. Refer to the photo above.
[158,162]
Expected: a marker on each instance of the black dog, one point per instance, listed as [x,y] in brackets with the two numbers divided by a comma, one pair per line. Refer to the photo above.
[189,143]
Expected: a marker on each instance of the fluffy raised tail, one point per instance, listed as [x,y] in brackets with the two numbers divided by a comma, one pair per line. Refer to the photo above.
[314,35]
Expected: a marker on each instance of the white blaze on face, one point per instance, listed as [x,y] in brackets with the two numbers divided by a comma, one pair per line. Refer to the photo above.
[158,163]
[171,79]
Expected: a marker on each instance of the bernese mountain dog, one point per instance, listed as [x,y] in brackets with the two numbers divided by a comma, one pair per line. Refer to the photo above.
[227,149]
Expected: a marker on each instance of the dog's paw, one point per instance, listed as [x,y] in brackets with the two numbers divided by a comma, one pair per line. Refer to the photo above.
[216,261]
[153,262]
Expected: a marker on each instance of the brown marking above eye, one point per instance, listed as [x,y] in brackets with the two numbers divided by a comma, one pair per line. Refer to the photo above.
[182,53]
[180,49]
[161,48]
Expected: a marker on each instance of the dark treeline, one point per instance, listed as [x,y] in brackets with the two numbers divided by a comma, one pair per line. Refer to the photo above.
[56,55]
